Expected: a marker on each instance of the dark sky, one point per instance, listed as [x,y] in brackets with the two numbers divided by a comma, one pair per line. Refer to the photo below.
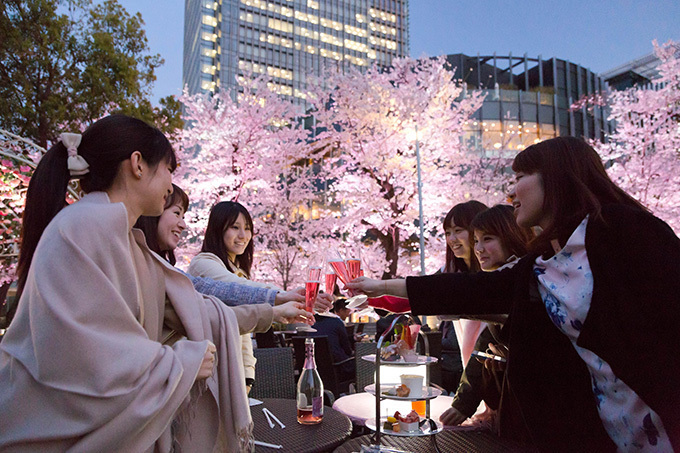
[597,34]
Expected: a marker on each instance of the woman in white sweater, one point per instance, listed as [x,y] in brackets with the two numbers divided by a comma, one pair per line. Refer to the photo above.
[227,255]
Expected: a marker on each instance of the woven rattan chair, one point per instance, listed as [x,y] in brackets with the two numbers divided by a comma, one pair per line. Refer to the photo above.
[365,370]
[274,373]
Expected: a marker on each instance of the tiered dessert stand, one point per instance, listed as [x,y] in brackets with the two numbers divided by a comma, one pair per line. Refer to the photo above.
[427,426]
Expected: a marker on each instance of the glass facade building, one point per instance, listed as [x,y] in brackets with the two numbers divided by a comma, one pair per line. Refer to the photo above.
[287,39]
[527,100]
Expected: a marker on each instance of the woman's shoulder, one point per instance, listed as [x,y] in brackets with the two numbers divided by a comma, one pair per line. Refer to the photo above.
[205,259]
[624,218]
[93,215]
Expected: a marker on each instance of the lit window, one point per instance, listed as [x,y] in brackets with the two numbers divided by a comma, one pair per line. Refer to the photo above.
[209,20]
[307,17]
[330,39]
[207,36]
[354,45]
[312,4]
[356,31]
[360,18]
[280,25]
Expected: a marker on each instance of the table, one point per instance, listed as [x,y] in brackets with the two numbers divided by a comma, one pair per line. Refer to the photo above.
[333,430]
[361,406]
[448,441]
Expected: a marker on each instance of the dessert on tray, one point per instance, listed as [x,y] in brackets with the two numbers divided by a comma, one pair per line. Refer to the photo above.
[403,350]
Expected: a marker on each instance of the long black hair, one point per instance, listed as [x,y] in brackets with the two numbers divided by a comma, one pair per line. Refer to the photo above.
[461,215]
[223,215]
[149,225]
[575,184]
[104,146]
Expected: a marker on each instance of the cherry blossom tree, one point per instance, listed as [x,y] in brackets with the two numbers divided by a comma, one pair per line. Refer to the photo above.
[18,159]
[253,150]
[643,154]
[370,126]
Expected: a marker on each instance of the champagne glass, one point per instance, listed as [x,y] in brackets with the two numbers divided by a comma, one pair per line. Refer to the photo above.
[331,278]
[311,291]
[314,273]
[336,261]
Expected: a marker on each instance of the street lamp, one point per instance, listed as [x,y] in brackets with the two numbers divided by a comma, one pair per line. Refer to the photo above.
[420,201]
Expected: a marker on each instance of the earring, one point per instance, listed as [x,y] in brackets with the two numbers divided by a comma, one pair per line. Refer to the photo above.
[139,174]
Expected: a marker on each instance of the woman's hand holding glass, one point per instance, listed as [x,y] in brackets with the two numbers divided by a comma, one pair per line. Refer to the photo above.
[323,303]
[292,312]
[290,296]
[368,286]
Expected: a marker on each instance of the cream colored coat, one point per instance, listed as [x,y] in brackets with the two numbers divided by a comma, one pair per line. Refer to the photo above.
[81,366]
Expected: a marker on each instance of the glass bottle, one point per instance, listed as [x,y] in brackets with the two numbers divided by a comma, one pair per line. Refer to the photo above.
[309,389]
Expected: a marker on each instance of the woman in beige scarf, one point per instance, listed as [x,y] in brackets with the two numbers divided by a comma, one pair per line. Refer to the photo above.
[82,365]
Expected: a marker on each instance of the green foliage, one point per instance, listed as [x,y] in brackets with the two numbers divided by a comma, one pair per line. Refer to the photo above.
[66,63]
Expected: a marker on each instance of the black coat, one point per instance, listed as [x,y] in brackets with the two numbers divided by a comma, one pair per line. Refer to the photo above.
[633,324]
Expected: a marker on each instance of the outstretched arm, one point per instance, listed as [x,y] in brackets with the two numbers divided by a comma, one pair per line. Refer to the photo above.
[232,293]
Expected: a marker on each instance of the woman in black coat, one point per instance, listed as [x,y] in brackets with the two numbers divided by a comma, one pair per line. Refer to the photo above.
[594,314]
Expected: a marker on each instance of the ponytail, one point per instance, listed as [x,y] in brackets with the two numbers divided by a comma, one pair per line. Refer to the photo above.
[46,196]
[104,146]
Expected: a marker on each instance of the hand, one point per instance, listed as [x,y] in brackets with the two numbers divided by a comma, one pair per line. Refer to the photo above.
[292,312]
[368,286]
[323,303]
[287,296]
[495,365]
[208,364]
[452,417]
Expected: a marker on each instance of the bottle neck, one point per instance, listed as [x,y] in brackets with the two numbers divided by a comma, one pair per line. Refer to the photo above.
[310,363]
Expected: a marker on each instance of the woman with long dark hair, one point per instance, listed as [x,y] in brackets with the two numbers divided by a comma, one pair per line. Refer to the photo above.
[459,335]
[83,364]
[593,308]
[498,243]
[163,234]
[227,256]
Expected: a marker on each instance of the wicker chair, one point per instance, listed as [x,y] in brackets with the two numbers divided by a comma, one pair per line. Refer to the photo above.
[274,376]
[365,370]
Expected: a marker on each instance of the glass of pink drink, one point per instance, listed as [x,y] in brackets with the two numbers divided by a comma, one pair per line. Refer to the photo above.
[311,291]
[331,278]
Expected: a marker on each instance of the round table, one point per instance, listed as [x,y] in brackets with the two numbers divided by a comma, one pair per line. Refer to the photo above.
[446,442]
[333,430]
[361,406]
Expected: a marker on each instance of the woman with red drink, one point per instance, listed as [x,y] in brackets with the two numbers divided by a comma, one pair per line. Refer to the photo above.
[593,308]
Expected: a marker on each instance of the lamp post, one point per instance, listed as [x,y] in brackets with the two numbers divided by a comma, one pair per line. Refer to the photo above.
[420,207]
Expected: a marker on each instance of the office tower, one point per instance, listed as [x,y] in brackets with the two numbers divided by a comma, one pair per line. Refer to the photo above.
[287,39]
[528,100]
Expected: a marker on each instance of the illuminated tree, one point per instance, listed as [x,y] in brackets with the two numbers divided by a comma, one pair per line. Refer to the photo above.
[367,125]
[256,152]
[643,153]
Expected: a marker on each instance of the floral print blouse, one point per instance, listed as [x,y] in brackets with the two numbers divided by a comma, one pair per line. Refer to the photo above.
[565,283]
